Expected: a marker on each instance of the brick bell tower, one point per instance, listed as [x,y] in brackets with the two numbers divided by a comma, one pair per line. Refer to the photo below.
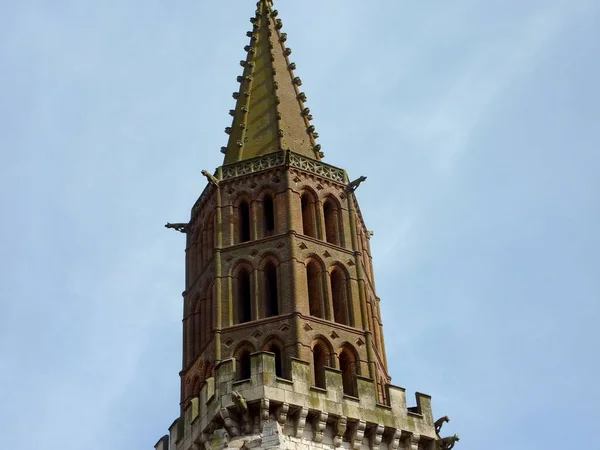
[282,332]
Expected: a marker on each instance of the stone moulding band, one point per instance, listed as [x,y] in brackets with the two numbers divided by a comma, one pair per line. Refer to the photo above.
[281,158]
[318,168]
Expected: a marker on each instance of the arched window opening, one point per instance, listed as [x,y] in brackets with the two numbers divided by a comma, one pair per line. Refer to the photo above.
[244,222]
[348,368]
[382,393]
[244,307]
[319,363]
[274,348]
[308,216]
[271,300]
[243,365]
[332,223]
[197,327]
[315,291]
[341,313]
[207,317]
[269,215]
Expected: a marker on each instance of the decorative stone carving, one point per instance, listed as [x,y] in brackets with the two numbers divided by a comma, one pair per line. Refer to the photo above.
[292,66]
[376,437]
[442,420]
[340,429]
[283,37]
[297,81]
[219,440]
[319,424]
[210,177]
[358,434]
[447,443]
[230,425]
[287,51]
[318,168]
[300,422]
[264,412]
[395,442]
[354,184]
[302,96]
[282,412]
[413,442]
[181,227]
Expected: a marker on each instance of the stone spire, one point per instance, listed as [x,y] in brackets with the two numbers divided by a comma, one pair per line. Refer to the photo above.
[270,113]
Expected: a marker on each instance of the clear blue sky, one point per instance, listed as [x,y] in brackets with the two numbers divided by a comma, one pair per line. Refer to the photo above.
[477,124]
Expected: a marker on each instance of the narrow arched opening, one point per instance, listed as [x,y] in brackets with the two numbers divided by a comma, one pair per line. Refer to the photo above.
[271,297]
[348,368]
[319,363]
[244,222]
[315,291]
[244,306]
[243,365]
[268,215]
[332,222]
[197,327]
[309,227]
[276,350]
[341,311]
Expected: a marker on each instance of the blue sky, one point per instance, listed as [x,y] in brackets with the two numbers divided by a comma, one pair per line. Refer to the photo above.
[478,127]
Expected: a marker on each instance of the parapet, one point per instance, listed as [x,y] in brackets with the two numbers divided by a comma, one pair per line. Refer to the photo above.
[228,409]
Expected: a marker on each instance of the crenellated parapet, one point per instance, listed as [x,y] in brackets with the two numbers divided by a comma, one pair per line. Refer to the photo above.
[228,409]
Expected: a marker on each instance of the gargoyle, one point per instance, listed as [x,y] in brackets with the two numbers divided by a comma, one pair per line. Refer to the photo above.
[354,184]
[440,423]
[447,443]
[181,227]
[210,177]
[240,402]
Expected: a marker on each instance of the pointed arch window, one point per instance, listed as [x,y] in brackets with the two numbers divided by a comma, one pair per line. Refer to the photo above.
[309,219]
[197,326]
[315,290]
[331,213]
[243,365]
[269,215]
[348,366]
[320,361]
[276,350]
[243,310]
[270,295]
[244,221]
[339,292]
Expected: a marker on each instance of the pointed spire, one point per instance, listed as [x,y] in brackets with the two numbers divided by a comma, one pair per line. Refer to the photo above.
[270,112]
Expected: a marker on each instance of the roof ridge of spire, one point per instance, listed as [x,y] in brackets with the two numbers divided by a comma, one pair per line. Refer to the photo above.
[270,112]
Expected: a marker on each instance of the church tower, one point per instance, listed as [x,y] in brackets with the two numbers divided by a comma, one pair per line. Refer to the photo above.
[282,332]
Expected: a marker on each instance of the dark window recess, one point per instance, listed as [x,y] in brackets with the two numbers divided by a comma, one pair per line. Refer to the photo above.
[269,213]
[244,221]
[243,369]
[243,297]
[271,297]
